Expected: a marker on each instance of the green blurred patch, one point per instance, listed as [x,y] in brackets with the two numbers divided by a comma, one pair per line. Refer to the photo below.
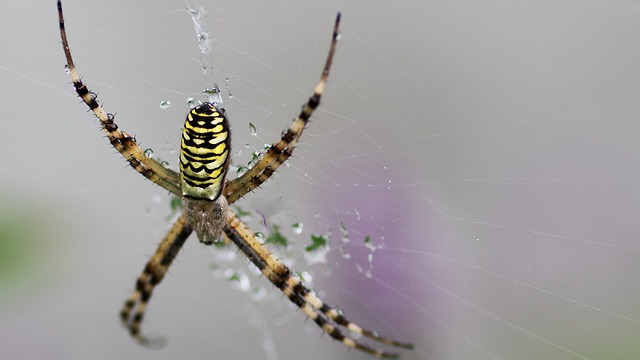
[21,228]
[317,242]
[276,237]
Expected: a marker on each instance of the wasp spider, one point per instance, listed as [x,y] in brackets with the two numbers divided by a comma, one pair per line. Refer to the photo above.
[201,183]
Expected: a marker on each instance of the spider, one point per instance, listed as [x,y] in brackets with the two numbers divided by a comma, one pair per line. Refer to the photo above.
[201,183]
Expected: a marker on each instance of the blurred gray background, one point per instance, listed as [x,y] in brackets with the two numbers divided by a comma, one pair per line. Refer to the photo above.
[489,149]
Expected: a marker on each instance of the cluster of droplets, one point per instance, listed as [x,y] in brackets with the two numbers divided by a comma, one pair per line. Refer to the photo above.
[149,153]
[255,156]
[388,180]
[214,95]
[225,263]
[344,239]
[202,31]
[315,252]
[368,243]
[225,267]
[198,16]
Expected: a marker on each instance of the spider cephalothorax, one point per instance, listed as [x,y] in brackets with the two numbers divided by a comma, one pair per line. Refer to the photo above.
[204,160]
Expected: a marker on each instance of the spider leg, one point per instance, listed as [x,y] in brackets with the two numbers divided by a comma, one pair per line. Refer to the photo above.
[335,315]
[326,317]
[279,152]
[120,140]
[132,313]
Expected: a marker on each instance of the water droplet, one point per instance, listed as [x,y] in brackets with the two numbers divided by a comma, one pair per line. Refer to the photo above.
[260,236]
[193,102]
[213,95]
[307,277]
[252,130]
[242,170]
[259,293]
[297,228]
[239,280]
[211,91]
[224,255]
[165,164]
[148,153]
[255,157]
[368,243]
[164,105]
[344,234]
[339,36]
[388,184]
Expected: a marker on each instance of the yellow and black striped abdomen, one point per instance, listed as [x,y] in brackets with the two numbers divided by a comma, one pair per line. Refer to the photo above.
[204,154]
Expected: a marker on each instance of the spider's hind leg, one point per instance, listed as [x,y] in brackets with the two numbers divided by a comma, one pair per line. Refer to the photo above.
[132,314]
[326,317]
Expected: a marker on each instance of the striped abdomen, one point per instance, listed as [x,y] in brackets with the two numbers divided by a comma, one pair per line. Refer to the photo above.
[204,154]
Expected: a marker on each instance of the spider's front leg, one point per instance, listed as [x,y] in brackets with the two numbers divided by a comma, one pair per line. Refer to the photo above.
[279,152]
[132,313]
[121,141]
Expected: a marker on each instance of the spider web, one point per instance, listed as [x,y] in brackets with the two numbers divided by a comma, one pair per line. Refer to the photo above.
[472,168]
